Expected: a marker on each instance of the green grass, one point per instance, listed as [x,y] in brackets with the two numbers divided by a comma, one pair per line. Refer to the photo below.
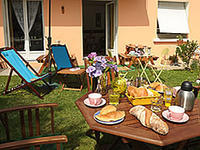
[68,119]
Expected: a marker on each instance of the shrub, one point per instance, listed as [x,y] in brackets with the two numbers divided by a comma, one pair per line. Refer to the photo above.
[186,50]
[195,64]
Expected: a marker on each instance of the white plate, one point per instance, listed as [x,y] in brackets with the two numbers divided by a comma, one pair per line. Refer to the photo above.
[86,102]
[107,122]
[165,114]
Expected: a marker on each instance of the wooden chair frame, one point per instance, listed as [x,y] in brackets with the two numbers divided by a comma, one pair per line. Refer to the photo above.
[67,71]
[24,82]
[29,140]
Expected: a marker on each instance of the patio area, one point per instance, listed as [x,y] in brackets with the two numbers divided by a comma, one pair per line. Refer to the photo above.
[117,48]
[68,119]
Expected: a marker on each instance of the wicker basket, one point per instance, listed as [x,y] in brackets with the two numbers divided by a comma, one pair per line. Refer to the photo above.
[146,100]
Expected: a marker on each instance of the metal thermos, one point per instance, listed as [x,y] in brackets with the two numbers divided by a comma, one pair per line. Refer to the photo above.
[185,96]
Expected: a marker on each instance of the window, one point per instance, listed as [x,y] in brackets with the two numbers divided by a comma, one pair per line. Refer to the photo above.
[172,20]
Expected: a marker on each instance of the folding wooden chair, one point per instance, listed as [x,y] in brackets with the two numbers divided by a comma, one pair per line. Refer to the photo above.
[65,65]
[27,128]
[3,64]
[164,54]
[18,64]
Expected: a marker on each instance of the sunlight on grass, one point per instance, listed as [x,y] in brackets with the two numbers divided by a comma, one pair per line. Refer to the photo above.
[68,119]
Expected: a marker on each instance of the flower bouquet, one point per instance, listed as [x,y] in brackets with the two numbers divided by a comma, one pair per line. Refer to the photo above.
[99,65]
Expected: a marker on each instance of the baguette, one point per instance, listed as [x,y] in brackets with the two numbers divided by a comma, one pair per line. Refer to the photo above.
[149,119]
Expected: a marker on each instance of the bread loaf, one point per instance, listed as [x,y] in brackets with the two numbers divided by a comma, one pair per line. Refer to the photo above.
[142,92]
[158,86]
[149,119]
[107,109]
[161,87]
[111,116]
[132,91]
[137,92]
[110,113]
[154,84]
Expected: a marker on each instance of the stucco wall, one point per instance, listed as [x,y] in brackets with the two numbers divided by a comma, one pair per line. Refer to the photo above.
[136,24]
[194,21]
[138,21]
[67,27]
[1,26]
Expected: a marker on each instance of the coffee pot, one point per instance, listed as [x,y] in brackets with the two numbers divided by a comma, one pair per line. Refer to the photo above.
[186,96]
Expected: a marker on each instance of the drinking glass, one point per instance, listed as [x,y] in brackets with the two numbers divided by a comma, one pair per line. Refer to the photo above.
[168,96]
[113,97]
[156,104]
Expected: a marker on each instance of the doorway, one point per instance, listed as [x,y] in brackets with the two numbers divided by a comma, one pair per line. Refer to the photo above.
[99,26]
[25,29]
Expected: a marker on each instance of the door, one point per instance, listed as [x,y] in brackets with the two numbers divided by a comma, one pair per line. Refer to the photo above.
[111,27]
[25,27]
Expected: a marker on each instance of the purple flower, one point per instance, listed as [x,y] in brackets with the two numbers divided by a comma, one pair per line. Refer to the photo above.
[115,68]
[92,55]
[103,60]
[90,70]
[97,73]
[98,58]
[109,65]
[104,65]
[99,65]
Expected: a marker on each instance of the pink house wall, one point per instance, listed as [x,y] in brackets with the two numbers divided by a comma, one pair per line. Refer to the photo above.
[1,28]
[137,22]
[139,26]
[67,27]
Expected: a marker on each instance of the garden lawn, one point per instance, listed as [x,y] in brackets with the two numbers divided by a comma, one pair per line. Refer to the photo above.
[68,119]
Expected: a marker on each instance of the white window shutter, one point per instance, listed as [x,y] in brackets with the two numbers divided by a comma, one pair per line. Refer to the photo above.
[172,17]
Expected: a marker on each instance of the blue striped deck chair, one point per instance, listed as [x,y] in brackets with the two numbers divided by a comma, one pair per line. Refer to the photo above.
[23,69]
[65,67]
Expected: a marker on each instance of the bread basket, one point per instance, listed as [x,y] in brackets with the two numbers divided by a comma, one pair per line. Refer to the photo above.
[146,100]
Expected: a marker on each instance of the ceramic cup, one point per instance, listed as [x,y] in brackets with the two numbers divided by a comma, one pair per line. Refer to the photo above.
[95,98]
[176,112]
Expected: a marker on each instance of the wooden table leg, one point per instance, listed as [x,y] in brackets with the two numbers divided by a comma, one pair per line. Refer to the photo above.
[181,145]
[97,136]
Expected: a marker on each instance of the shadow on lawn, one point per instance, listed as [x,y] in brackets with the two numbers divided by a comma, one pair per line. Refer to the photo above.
[71,81]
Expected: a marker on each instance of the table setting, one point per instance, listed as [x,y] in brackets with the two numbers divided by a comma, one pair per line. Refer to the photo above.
[148,112]
[154,98]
